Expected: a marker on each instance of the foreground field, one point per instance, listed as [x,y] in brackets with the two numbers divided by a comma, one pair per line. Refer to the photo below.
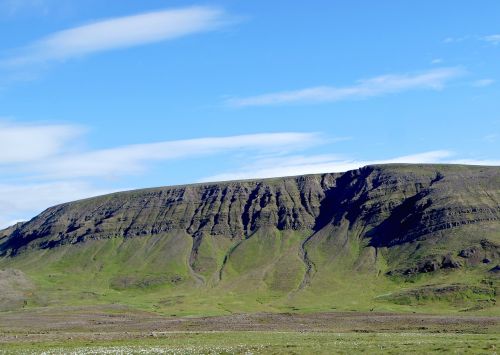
[272,343]
[119,330]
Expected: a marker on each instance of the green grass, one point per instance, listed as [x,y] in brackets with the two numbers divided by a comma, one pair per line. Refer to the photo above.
[271,343]
[259,274]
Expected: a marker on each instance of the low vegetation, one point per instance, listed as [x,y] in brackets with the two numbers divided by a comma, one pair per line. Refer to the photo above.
[272,343]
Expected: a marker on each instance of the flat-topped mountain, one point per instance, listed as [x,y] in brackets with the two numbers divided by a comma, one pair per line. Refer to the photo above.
[385,237]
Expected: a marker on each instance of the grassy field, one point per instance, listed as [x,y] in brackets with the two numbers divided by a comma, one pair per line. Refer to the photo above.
[271,343]
[93,330]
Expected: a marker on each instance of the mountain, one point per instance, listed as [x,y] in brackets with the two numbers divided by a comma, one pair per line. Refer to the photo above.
[391,237]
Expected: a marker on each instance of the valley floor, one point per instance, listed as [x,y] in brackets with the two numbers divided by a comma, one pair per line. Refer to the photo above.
[121,330]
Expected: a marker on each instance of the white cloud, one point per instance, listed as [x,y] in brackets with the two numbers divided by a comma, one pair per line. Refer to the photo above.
[41,167]
[458,39]
[377,86]
[44,151]
[134,158]
[52,173]
[121,32]
[25,143]
[493,39]
[316,164]
[21,200]
[483,83]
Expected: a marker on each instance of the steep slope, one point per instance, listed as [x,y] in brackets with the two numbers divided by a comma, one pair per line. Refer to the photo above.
[378,237]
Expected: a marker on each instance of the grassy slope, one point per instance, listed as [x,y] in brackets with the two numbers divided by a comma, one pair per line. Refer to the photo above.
[265,271]
[262,273]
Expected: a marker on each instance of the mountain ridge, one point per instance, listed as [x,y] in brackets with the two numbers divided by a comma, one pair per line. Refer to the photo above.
[291,237]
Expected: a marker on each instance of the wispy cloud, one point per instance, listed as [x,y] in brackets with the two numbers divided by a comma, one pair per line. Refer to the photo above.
[493,39]
[457,39]
[134,159]
[378,86]
[292,165]
[483,83]
[21,201]
[29,142]
[298,165]
[121,32]
[40,165]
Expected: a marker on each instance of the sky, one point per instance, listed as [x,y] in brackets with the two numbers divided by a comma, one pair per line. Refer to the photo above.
[98,97]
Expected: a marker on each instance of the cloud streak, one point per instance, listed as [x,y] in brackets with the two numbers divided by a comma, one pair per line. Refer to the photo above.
[121,32]
[292,165]
[20,200]
[299,165]
[47,151]
[378,86]
[40,165]
[483,83]
[133,159]
[493,39]
[28,143]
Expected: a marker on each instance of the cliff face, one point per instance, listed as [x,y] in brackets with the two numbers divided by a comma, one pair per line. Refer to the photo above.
[292,236]
[232,210]
[392,205]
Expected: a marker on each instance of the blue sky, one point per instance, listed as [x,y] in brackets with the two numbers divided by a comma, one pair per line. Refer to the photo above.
[104,96]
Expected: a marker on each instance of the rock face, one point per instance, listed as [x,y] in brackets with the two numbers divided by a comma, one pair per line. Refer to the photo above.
[386,207]
[232,210]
